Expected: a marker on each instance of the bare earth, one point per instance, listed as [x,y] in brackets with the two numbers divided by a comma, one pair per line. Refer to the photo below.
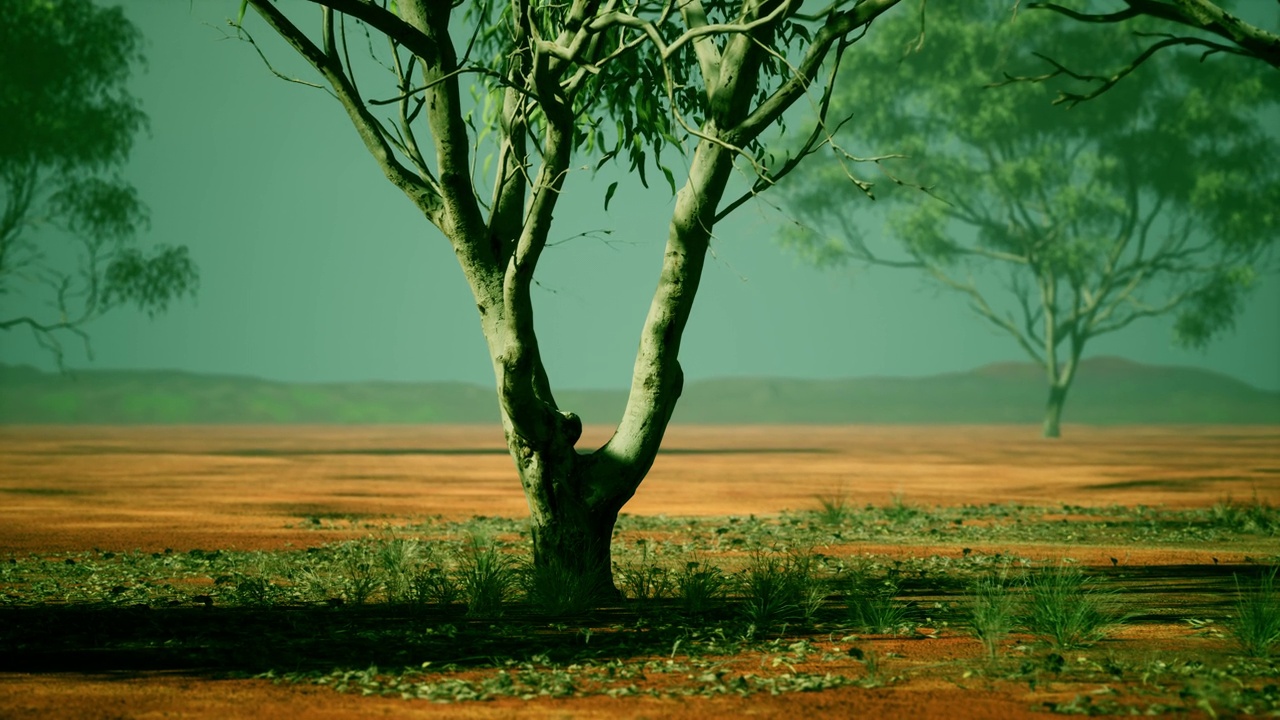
[151,488]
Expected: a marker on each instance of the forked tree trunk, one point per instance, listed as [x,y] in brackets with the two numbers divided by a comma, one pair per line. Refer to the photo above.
[574,498]
[571,527]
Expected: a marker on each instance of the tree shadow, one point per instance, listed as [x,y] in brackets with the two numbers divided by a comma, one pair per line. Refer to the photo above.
[202,639]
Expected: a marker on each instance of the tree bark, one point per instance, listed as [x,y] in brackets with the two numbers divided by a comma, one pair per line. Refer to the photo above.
[571,528]
[1053,411]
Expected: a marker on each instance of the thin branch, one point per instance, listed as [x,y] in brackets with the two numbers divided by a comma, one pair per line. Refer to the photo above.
[1105,83]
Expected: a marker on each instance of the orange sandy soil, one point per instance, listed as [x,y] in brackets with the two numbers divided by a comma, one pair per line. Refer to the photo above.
[150,488]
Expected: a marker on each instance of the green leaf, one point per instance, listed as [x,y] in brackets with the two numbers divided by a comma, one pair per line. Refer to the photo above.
[606,158]
[639,165]
[608,194]
[671,179]
[244,4]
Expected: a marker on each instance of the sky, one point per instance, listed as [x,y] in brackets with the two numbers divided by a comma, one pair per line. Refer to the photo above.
[315,269]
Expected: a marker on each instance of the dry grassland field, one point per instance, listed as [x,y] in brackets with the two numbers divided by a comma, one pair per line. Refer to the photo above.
[799,571]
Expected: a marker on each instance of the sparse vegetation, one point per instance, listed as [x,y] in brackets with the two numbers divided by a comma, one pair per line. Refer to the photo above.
[780,588]
[559,591]
[834,508]
[487,577]
[700,587]
[1066,610]
[642,579]
[702,614]
[1254,516]
[1256,623]
[873,606]
[992,613]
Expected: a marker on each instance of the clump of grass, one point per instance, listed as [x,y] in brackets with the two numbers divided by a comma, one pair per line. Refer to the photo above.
[560,589]
[1256,516]
[873,606]
[1256,625]
[253,581]
[434,585]
[486,576]
[992,612]
[700,587]
[248,589]
[779,588]
[642,579]
[834,508]
[400,561]
[1065,610]
[898,510]
[360,574]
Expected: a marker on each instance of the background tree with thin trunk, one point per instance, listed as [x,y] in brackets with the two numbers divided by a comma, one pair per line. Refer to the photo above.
[1057,226]
[561,85]
[67,123]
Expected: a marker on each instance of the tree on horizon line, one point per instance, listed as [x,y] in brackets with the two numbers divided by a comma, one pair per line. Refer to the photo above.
[1160,197]
[560,85]
[67,125]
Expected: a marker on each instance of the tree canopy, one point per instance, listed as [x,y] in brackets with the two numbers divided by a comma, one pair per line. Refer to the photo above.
[67,125]
[1161,196]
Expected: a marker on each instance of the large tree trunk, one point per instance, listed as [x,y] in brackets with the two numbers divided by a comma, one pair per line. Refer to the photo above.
[571,526]
[574,498]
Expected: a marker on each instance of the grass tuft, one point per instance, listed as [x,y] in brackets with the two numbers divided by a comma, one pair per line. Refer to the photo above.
[833,509]
[700,587]
[873,606]
[992,612]
[1065,610]
[487,577]
[642,579]
[1256,625]
[560,590]
[780,588]
[1252,517]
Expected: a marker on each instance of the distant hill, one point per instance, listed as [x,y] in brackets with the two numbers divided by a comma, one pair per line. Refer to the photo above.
[1107,391]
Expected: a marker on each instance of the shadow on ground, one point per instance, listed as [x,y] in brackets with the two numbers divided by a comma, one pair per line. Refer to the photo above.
[200,638]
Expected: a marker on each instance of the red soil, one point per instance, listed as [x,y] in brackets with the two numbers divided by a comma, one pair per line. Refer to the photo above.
[77,488]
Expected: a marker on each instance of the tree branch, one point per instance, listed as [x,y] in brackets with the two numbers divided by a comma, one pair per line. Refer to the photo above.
[420,190]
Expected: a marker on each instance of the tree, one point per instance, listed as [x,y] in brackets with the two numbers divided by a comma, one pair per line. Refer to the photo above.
[1210,23]
[560,83]
[1160,197]
[66,127]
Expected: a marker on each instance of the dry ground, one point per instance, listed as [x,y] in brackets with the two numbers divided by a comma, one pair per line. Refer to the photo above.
[150,488]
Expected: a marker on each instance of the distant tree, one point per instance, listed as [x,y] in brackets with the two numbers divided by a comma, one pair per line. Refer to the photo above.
[1160,197]
[1199,24]
[66,127]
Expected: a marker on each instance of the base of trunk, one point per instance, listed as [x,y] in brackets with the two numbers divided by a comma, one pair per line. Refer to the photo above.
[572,568]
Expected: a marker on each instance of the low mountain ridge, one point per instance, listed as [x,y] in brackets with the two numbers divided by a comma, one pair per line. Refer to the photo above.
[1108,390]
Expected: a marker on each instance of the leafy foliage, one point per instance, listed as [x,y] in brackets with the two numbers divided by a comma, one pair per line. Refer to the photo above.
[68,124]
[1158,197]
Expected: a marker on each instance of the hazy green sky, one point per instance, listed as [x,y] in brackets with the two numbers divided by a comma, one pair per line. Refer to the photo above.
[313,268]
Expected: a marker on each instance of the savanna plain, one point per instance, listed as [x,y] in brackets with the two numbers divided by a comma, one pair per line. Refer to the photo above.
[382,571]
